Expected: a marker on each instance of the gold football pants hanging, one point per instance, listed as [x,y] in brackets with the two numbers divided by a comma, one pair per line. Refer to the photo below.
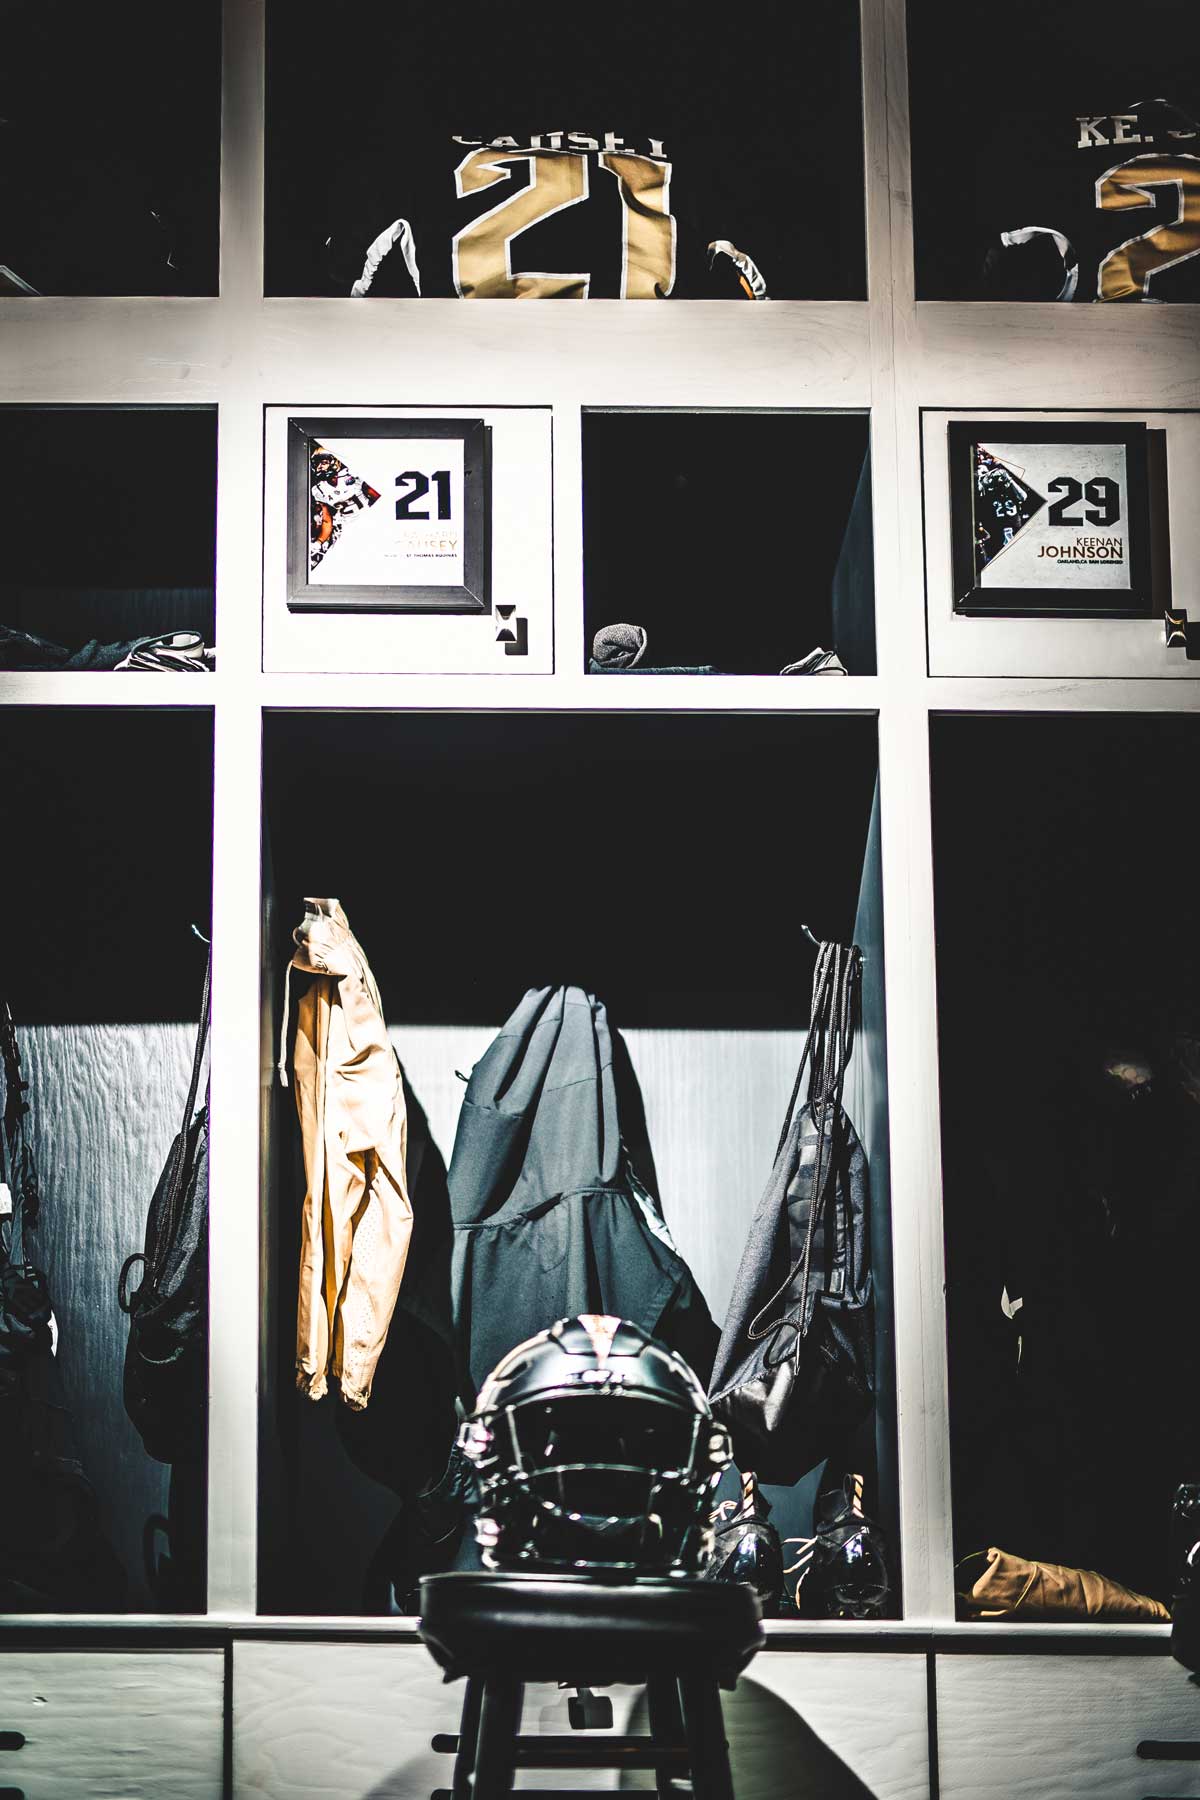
[357,1220]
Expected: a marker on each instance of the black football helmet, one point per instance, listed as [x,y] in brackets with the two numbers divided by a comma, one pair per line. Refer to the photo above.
[595,1450]
[325,465]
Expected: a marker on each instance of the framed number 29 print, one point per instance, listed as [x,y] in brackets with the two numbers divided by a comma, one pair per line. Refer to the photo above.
[388,515]
[1050,520]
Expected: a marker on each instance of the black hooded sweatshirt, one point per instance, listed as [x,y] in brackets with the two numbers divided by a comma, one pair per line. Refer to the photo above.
[550,1218]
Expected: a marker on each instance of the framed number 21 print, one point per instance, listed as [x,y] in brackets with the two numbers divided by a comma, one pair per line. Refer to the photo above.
[388,515]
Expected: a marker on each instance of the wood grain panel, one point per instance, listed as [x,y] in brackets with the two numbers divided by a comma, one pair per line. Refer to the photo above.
[714,1105]
[1061,1728]
[109,1726]
[353,1722]
[699,353]
[110,353]
[996,353]
[572,690]
[830,1727]
[105,1103]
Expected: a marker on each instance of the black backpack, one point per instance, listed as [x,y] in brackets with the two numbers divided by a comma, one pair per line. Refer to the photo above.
[793,1373]
[166,1358]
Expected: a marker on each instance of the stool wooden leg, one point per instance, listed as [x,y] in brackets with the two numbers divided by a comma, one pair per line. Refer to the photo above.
[666,1727]
[704,1725]
[468,1732]
[496,1745]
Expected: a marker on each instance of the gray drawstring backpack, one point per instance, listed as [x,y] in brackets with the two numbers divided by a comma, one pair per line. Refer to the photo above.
[793,1372]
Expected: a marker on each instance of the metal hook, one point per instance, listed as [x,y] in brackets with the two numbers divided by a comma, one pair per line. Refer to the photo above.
[816,944]
[196,929]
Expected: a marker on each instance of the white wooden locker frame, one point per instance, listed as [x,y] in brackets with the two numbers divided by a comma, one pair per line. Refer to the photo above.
[889,356]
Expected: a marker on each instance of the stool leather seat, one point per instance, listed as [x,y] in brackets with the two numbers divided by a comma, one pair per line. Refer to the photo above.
[540,1627]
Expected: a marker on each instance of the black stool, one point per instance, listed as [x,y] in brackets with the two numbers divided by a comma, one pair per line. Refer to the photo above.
[684,1639]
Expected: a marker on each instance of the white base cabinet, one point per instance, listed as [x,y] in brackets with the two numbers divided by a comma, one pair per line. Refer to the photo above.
[345,1721]
[100,1725]
[1064,1727]
[354,1722]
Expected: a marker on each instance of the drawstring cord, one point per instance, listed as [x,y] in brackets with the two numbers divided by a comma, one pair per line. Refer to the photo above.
[826,1055]
[281,1065]
[168,1226]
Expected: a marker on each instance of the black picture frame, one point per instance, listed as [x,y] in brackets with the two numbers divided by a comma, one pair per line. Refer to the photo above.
[473,595]
[1076,602]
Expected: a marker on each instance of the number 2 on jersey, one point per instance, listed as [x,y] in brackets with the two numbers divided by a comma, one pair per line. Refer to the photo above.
[483,250]
[1127,271]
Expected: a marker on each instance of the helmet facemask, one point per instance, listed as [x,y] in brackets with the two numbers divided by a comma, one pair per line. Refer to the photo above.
[596,1480]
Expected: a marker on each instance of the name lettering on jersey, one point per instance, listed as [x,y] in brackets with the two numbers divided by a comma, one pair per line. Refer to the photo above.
[572,141]
[1099,130]
[1119,128]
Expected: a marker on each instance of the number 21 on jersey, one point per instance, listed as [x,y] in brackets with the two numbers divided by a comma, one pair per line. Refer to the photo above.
[483,250]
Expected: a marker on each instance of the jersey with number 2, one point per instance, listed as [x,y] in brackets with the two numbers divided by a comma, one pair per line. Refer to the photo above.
[1118,196]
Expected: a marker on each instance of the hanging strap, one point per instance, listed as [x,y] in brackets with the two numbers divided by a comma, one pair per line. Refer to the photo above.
[168,1224]
[281,1066]
[821,976]
[826,1055]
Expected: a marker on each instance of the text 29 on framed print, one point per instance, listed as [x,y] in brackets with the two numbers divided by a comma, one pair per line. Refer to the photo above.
[388,515]
[1050,520]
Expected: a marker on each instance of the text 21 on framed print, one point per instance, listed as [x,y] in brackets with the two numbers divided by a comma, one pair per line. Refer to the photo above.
[1050,520]
[388,515]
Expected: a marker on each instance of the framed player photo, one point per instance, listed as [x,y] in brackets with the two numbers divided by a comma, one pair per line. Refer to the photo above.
[1050,520]
[389,515]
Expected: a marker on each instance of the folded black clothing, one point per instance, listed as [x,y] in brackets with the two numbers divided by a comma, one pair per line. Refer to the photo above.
[617,647]
[817,662]
[22,650]
[177,650]
[595,668]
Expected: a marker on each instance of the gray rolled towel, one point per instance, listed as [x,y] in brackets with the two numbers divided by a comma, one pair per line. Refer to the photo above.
[619,646]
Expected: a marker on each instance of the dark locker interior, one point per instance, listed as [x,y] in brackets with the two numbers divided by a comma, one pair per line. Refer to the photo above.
[110,126]
[117,536]
[665,864]
[1070,1069]
[109,831]
[739,542]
